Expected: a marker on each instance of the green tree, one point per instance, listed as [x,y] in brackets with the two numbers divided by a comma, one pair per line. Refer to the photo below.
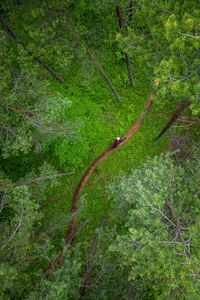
[162,39]
[63,283]
[160,247]
[57,114]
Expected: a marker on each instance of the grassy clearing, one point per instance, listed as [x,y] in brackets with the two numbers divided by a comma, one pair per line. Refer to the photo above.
[102,126]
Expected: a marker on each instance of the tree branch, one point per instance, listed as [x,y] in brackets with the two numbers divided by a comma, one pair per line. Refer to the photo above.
[189,35]
[178,227]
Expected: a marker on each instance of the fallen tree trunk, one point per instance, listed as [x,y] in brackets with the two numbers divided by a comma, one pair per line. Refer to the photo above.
[69,237]
[183,105]
[127,57]
[101,71]
[8,31]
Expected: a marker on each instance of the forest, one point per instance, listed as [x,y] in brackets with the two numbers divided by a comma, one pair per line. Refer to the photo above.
[99,150]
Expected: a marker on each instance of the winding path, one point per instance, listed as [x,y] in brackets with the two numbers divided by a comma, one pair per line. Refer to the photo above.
[74,208]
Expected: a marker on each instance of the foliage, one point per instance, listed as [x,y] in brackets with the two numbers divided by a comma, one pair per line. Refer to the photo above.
[30,114]
[48,127]
[160,245]
[166,43]
[63,283]
[19,217]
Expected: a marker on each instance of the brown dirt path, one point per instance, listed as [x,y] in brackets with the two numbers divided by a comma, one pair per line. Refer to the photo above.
[73,223]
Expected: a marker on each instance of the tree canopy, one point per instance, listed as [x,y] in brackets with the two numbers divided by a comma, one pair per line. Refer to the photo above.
[74,76]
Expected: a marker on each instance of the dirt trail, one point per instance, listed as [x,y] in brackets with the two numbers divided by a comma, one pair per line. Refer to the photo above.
[74,208]
[93,166]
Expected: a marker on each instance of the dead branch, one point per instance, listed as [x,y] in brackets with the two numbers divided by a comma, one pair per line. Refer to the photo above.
[178,227]
[101,71]
[162,214]
[189,35]
[193,120]
[175,223]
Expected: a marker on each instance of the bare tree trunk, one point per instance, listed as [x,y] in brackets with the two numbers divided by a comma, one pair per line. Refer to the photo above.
[8,31]
[182,106]
[127,57]
[101,71]
[47,67]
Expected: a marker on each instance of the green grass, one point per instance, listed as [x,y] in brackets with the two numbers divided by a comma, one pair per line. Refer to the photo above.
[105,124]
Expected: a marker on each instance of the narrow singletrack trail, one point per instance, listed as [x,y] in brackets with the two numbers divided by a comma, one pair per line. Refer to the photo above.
[71,232]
